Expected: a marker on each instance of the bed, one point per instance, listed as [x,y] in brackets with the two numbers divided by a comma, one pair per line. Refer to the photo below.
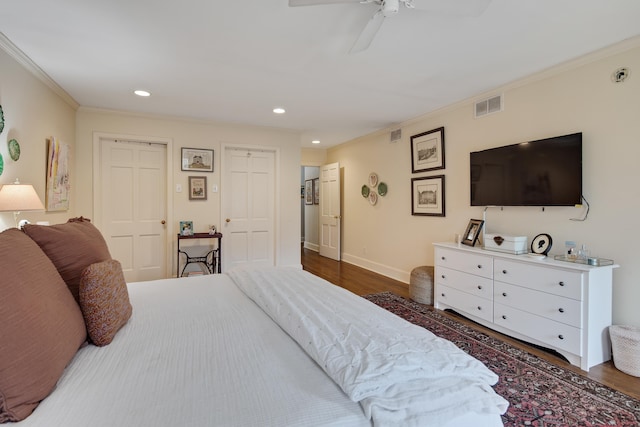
[266,347]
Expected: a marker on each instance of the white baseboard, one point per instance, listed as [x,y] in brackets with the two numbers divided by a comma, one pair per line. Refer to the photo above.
[312,246]
[393,273]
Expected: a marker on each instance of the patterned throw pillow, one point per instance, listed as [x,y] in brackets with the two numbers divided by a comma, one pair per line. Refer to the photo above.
[104,300]
[72,247]
[41,326]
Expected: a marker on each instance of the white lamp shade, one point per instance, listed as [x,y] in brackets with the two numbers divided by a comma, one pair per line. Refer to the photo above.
[19,198]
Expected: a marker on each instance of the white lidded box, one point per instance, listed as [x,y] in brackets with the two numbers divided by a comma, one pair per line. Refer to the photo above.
[516,245]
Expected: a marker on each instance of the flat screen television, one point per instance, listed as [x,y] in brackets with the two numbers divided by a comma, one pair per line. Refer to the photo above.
[547,172]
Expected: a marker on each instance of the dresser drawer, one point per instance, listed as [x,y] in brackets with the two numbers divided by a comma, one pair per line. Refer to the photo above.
[550,280]
[465,303]
[554,307]
[551,333]
[479,265]
[469,283]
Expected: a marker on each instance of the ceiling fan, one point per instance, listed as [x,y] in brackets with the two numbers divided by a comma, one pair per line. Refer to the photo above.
[391,7]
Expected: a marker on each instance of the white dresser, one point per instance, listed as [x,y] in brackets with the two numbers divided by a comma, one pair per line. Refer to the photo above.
[559,305]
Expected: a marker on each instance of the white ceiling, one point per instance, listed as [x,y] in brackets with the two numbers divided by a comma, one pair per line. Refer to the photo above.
[233,61]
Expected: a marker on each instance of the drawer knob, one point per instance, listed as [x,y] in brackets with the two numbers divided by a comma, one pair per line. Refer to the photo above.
[504,317]
[479,308]
[561,310]
[480,287]
[504,271]
[504,294]
[443,276]
[561,283]
[443,258]
[561,336]
[442,294]
[479,265]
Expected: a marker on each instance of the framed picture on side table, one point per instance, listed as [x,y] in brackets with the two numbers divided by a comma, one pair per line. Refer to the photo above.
[471,234]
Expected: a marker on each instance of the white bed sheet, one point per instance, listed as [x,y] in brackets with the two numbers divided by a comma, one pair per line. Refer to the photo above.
[196,352]
[400,373]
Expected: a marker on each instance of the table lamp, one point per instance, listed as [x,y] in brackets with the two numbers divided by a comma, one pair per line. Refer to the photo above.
[17,198]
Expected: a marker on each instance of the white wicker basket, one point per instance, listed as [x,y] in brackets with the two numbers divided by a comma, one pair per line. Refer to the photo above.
[625,343]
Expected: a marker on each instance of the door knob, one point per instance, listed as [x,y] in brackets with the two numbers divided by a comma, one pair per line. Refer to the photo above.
[227,220]
[163,222]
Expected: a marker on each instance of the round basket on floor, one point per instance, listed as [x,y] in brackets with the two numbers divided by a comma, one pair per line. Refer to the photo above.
[421,284]
[625,343]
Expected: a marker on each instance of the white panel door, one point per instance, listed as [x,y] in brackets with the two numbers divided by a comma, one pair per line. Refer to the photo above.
[133,191]
[248,207]
[330,211]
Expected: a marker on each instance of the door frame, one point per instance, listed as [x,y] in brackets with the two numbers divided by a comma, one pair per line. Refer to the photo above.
[276,190]
[97,194]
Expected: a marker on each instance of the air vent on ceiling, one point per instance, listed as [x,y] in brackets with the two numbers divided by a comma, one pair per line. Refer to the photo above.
[488,106]
[396,135]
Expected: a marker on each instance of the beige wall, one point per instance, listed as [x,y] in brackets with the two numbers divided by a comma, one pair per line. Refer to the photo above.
[33,113]
[194,134]
[580,97]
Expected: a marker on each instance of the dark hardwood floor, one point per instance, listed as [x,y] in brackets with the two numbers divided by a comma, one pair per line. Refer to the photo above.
[362,282]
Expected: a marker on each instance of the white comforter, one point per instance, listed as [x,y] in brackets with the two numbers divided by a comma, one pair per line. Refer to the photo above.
[400,373]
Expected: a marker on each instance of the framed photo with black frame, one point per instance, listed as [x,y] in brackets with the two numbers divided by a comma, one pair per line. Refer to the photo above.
[471,234]
[308,191]
[427,196]
[427,151]
[316,191]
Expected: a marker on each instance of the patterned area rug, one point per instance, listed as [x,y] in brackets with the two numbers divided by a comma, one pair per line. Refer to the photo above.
[540,393]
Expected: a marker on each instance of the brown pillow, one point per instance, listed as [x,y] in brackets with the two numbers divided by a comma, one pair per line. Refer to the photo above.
[72,247]
[41,326]
[104,300]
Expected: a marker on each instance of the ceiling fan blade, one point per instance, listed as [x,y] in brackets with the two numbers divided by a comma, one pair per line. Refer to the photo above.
[368,34]
[293,3]
[451,7]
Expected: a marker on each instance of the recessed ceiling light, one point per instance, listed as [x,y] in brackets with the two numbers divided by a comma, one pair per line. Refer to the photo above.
[315,141]
[142,92]
[279,110]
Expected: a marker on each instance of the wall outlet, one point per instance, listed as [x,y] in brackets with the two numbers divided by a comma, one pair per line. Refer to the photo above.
[178,188]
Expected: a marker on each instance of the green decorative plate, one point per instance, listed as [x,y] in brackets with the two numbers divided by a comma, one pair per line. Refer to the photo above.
[382,189]
[14,150]
[1,119]
[365,191]
[1,164]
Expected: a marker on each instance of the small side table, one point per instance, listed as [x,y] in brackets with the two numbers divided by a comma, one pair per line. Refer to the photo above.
[212,259]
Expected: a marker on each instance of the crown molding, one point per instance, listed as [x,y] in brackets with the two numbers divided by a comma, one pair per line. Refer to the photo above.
[18,55]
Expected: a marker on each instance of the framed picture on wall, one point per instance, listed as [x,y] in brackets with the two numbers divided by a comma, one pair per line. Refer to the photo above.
[427,196]
[196,159]
[316,191]
[427,151]
[308,191]
[197,188]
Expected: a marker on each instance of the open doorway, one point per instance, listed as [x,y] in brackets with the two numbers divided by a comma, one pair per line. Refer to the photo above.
[309,208]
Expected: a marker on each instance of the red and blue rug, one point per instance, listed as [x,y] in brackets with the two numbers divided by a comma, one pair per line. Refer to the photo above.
[540,393]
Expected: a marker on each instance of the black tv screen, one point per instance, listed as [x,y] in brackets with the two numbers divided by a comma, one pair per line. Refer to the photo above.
[547,172]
